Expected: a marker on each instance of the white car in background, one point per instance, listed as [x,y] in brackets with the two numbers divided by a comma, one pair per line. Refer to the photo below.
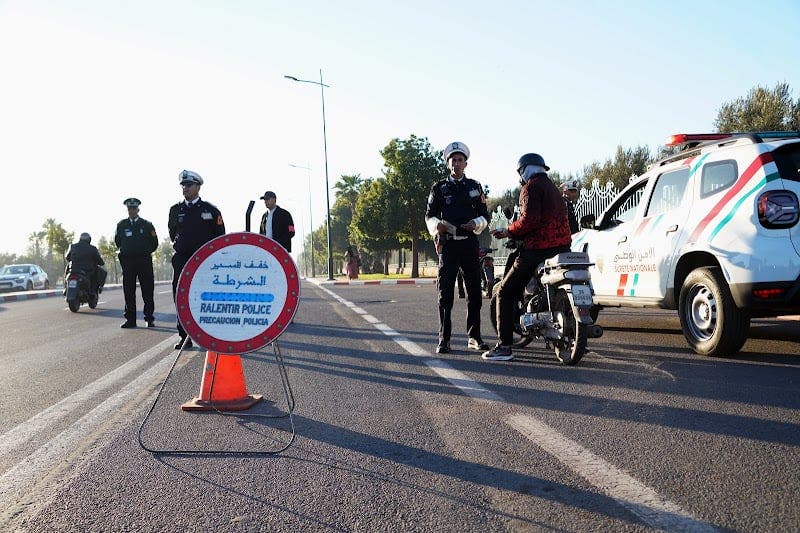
[23,278]
[712,232]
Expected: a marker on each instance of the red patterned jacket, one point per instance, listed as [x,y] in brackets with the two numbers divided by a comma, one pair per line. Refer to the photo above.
[543,221]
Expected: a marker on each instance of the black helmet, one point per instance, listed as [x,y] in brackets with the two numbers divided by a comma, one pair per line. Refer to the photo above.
[531,159]
[85,237]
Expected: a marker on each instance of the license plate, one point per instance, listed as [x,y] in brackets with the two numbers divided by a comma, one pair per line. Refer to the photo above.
[528,319]
[72,283]
[582,294]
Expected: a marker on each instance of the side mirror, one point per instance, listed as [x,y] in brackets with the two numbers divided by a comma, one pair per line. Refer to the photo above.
[587,221]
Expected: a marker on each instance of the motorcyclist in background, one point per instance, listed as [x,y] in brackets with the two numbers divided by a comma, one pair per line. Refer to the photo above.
[83,256]
[542,230]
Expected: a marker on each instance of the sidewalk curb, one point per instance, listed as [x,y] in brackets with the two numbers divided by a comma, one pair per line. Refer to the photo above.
[33,295]
[403,281]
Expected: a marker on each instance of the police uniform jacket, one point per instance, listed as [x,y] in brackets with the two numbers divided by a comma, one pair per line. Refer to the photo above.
[282,227]
[191,226]
[542,221]
[457,202]
[84,256]
[135,238]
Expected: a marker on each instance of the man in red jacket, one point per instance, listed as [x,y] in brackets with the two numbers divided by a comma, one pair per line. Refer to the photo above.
[542,230]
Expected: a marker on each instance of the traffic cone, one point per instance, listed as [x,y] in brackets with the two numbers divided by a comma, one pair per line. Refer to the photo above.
[230,391]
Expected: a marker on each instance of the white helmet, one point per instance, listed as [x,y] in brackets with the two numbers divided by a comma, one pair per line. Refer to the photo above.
[572,185]
[453,147]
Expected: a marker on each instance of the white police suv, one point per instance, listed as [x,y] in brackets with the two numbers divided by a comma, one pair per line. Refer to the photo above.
[712,232]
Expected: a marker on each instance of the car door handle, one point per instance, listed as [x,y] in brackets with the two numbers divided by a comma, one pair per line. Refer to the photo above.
[672,229]
[624,238]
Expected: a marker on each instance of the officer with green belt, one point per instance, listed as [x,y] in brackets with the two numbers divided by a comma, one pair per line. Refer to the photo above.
[136,239]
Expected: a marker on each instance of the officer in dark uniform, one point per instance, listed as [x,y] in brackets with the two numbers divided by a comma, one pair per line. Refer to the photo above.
[136,239]
[192,223]
[456,214]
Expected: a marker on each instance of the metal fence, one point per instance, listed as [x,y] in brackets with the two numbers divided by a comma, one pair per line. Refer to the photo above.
[594,199]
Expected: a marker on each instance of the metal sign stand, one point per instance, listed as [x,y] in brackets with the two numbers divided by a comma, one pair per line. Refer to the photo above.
[290,404]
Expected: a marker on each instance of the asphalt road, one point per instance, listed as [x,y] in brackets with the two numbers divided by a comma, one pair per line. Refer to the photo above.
[642,435]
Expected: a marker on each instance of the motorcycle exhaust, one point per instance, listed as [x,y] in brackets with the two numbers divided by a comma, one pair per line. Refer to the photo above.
[595,331]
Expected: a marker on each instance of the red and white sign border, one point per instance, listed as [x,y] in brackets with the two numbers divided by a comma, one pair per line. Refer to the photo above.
[275,328]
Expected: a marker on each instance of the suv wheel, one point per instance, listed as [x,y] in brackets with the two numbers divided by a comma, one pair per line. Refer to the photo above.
[711,322]
[29,286]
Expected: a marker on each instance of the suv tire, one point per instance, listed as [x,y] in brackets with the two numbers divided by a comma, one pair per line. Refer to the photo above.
[711,322]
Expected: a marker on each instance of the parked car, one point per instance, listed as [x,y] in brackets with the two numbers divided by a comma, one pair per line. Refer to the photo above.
[711,232]
[23,278]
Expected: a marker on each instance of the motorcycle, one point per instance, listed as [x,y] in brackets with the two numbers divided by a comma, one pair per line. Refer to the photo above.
[78,288]
[557,306]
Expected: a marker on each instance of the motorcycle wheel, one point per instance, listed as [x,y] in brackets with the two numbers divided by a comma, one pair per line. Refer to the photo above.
[520,340]
[572,345]
[92,301]
[73,305]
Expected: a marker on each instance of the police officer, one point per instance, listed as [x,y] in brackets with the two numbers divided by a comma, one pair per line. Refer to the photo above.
[455,215]
[136,239]
[192,223]
[570,190]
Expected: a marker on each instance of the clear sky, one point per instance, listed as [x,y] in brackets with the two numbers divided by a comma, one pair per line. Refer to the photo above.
[103,100]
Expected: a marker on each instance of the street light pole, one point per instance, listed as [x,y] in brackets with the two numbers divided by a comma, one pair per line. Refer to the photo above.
[325,146]
[310,219]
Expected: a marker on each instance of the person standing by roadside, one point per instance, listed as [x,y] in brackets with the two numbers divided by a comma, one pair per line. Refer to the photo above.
[456,214]
[136,239]
[570,190]
[542,230]
[192,223]
[352,263]
[277,223]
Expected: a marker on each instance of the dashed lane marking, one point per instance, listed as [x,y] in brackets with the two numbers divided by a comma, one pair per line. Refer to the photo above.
[655,510]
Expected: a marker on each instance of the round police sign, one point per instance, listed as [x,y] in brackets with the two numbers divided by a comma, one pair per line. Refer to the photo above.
[237,293]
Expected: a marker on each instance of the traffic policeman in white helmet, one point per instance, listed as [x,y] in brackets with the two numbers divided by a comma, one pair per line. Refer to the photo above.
[192,223]
[455,216]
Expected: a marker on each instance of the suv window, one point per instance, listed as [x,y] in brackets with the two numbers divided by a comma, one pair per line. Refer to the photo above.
[625,207]
[788,160]
[717,176]
[668,192]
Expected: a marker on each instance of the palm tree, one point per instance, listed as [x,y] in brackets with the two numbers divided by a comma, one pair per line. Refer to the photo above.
[348,188]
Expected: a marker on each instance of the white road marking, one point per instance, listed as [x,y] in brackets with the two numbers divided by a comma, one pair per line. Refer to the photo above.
[655,510]
[50,457]
[165,292]
[644,502]
[25,431]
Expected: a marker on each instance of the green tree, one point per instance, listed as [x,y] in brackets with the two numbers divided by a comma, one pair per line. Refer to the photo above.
[377,234]
[108,251]
[58,241]
[162,260]
[763,109]
[348,188]
[626,163]
[411,167]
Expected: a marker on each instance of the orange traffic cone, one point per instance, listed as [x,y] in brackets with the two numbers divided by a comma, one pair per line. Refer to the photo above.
[230,391]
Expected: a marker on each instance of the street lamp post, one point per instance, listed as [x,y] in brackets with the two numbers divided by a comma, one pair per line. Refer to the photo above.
[325,146]
[310,219]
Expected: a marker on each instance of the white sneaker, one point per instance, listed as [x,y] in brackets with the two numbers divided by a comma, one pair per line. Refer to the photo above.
[498,353]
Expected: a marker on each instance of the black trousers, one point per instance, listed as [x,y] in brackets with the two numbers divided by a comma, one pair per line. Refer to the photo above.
[513,284]
[141,267]
[461,254]
[178,262]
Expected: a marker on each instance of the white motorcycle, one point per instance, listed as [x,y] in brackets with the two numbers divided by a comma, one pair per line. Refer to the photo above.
[557,307]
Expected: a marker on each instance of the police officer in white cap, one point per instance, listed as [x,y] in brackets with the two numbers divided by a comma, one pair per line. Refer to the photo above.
[570,190]
[136,239]
[192,223]
[455,216]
